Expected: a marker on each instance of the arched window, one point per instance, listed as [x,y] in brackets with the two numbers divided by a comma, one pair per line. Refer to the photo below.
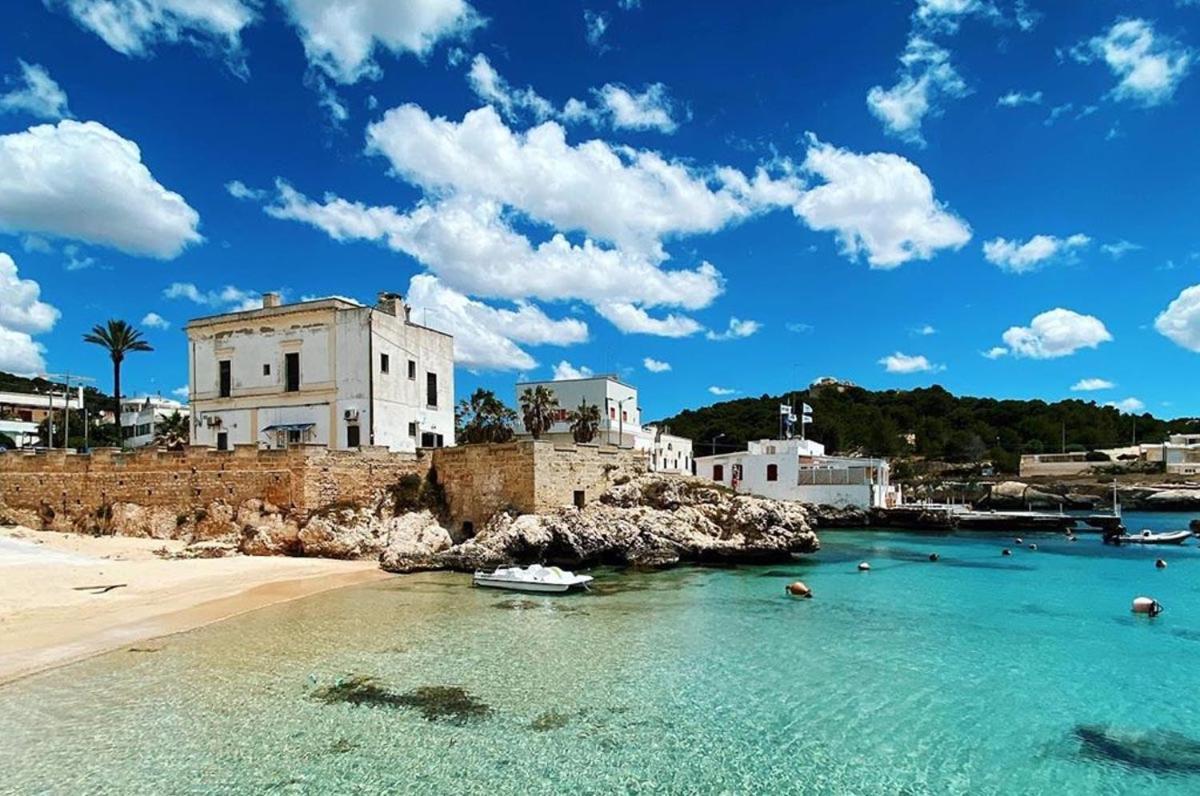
[772,472]
[718,472]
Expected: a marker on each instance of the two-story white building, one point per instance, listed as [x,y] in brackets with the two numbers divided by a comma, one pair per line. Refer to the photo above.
[620,420]
[329,371]
[140,415]
[798,469]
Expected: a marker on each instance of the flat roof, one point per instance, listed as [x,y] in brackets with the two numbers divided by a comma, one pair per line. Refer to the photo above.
[599,377]
[325,302]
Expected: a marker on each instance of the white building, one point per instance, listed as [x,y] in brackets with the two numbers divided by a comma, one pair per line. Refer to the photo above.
[140,415]
[34,407]
[329,372]
[620,420]
[798,469]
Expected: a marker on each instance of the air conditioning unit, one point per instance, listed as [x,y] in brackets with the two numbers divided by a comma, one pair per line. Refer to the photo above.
[351,414]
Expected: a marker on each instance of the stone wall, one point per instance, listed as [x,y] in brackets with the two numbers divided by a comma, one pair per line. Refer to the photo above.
[526,477]
[299,479]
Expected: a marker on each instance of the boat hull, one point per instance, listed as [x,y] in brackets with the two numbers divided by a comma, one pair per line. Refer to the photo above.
[529,586]
[1164,538]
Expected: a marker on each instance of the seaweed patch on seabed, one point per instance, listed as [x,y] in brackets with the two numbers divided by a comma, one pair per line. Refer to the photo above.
[1156,751]
[550,720]
[434,702]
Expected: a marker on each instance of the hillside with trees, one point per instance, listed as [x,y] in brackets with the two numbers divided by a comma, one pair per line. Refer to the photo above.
[928,422]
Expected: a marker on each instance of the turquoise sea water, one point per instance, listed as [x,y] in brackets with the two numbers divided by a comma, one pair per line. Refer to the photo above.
[969,675]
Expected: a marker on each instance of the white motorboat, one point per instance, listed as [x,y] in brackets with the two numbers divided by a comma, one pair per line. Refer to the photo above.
[1149,537]
[531,578]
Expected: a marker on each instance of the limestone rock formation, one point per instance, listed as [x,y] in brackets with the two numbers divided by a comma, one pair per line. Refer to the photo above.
[413,542]
[649,521]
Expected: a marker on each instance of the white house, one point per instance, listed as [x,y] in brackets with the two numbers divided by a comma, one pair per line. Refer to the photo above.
[798,469]
[329,372]
[139,416]
[620,420]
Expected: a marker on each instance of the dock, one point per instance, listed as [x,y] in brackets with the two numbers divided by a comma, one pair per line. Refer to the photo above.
[947,517]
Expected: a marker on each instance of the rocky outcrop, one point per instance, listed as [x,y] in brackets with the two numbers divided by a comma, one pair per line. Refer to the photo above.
[413,542]
[826,516]
[648,521]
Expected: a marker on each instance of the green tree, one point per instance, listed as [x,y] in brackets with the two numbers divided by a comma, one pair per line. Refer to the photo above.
[585,422]
[484,418]
[538,405]
[172,431]
[118,338]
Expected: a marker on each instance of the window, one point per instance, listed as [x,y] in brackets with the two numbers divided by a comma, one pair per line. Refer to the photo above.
[293,436]
[266,369]
[225,374]
[412,429]
[222,440]
[431,440]
[353,437]
[624,416]
[384,363]
[431,389]
[580,498]
[612,412]
[291,371]
[718,472]
[772,472]
[412,369]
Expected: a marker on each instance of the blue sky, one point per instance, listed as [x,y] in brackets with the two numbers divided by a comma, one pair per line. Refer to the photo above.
[991,195]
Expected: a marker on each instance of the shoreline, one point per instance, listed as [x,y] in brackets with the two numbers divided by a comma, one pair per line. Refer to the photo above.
[47,621]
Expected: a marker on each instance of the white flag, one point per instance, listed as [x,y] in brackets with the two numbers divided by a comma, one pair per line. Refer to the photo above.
[806,419]
[806,409]
[784,409]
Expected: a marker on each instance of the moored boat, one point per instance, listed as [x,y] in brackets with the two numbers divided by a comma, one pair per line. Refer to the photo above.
[534,578]
[1149,537]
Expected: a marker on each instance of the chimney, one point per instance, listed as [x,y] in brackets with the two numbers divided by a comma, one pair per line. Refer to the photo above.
[270,300]
[393,304]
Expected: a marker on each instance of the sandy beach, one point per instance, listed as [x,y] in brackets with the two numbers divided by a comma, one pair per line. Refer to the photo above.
[47,620]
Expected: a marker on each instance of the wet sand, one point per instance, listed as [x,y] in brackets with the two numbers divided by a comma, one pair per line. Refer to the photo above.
[46,621]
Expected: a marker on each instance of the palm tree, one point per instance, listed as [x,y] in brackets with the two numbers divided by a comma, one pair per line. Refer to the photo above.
[585,422]
[538,405]
[172,431]
[118,338]
[484,418]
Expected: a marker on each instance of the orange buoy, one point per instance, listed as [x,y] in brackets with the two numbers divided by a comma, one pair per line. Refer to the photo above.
[799,589]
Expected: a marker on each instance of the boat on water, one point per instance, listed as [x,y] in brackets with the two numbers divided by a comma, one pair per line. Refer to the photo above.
[534,578]
[1149,537]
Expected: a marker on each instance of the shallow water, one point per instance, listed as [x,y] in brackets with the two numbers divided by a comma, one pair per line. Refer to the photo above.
[975,674]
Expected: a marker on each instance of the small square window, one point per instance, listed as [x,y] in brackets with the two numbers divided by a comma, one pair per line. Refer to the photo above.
[412,368]
[266,370]
[384,363]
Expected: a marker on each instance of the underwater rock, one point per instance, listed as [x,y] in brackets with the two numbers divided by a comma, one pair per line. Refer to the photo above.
[1158,751]
[550,720]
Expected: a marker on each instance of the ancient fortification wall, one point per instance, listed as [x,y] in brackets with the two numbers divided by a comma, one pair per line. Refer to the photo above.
[526,477]
[299,479]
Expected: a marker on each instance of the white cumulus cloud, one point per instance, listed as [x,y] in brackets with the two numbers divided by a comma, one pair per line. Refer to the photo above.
[1180,321]
[655,365]
[486,337]
[651,109]
[908,363]
[1149,65]
[22,315]
[1020,258]
[632,319]
[37,95]
[1014,99]
[721,390]
[1091,385]
[1129,405]
[341,37]
[134,27]
[737,328]
[996,352]
[565,371]
[153,320]
[227,299]
[1056,333]
[82,181]
[926,78]
[879,204]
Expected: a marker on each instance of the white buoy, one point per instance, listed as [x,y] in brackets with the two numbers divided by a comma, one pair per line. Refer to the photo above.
[1160,564]
[1019,540]
[1033,547]
[1146,605]
[864,567]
